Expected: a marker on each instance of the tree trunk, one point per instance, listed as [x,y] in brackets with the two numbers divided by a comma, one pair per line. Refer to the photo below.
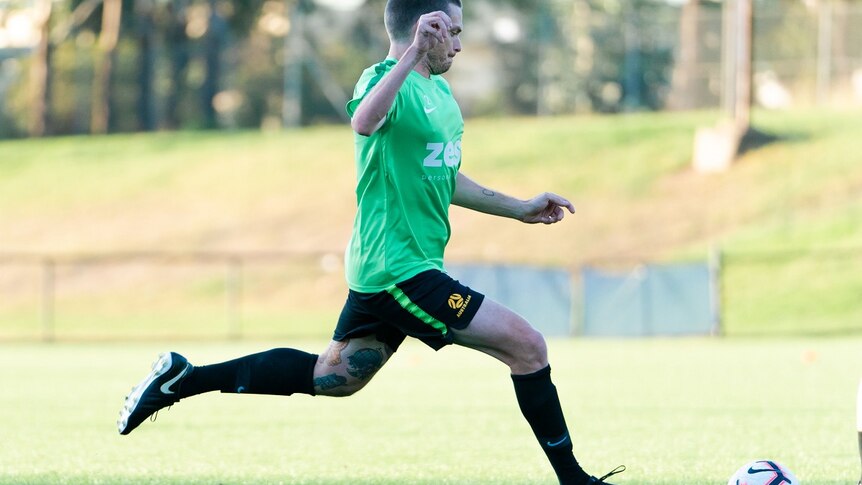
[685,78]
[213,44]
[40,74]
[178,41]
[294,51]
[108,38]
[584,48]
[146,39]
[632,70]
[843,65]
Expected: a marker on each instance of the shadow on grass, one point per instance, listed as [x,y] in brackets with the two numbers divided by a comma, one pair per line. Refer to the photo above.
[755,139]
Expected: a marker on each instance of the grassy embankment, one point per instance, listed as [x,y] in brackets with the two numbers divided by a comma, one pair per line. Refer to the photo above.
[629,176]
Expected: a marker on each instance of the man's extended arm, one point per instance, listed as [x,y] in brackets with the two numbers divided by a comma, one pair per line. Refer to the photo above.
[546,208]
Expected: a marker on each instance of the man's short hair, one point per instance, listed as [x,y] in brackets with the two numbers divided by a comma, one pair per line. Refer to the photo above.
[401,15]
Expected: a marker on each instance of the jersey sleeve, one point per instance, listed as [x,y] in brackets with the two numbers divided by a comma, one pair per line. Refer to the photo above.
[366,83]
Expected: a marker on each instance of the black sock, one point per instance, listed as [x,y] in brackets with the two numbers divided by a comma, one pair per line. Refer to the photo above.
[860,451]
[278,371]
[540,405]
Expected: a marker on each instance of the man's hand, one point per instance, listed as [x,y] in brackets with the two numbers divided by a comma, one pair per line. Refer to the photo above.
[546,208]
[431,30]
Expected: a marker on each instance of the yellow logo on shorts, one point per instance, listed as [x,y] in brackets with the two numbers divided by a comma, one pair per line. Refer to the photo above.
[457,302]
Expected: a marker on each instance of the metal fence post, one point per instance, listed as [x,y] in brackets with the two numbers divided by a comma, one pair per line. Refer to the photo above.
[715,262]
[233,297]
[48,277]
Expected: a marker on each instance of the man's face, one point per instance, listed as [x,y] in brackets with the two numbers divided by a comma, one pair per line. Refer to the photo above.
[440,57]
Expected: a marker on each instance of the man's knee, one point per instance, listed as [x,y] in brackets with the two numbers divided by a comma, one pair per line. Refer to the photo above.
[535,349]
[346,367]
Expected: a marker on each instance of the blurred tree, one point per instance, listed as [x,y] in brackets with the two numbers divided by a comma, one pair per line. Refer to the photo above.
[698,22]
[176,37]
[204,63]
[214,43]
[112,11]
[40,72]
[840,43]
[632,64]
[145,23]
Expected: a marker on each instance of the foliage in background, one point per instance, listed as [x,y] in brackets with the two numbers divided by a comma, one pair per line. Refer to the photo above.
[214,63]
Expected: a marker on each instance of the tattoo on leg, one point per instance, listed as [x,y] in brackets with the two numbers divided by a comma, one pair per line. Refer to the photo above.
[332,357]
[329,381]
[364,363]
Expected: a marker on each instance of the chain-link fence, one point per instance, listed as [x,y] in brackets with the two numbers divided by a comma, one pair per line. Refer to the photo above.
[286,295]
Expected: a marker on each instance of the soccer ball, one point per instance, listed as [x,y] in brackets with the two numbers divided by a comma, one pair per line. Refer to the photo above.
[763,472]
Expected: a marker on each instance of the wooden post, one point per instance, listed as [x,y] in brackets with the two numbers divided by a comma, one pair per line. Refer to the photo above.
[728,54]
[716,148]
[742,106]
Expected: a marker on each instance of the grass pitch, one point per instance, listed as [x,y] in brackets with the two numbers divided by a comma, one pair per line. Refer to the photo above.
[676,412]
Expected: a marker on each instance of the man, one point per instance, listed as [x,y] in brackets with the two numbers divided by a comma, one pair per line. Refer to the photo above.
[408,154]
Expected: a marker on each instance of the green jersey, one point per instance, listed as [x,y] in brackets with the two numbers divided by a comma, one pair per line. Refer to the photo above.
[405,180]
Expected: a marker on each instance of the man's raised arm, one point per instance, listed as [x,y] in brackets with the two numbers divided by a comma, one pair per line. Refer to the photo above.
[371,112]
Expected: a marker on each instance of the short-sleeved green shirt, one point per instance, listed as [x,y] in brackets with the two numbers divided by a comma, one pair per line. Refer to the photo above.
[405,180]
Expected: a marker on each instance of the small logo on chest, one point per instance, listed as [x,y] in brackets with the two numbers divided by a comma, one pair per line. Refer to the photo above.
[428,107]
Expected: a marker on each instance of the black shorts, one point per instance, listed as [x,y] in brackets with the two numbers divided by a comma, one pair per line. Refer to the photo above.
[426,306]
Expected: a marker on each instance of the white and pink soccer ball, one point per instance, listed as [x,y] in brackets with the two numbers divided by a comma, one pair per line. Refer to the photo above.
[763,472]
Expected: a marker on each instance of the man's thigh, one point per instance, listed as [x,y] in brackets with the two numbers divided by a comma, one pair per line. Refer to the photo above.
[494,325]
[505,335]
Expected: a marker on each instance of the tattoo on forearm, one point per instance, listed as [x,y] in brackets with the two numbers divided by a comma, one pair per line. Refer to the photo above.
[329,381]
[364,363]
[489,193]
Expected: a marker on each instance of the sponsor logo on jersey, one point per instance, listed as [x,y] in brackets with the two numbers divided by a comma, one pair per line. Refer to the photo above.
[440,153]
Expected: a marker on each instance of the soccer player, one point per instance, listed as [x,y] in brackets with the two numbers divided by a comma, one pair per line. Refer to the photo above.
[408,131]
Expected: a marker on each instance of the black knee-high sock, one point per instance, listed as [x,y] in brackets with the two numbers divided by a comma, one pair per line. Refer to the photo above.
[540,405]
[277,371]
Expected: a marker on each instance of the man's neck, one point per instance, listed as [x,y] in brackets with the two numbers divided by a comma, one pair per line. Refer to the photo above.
[397,50]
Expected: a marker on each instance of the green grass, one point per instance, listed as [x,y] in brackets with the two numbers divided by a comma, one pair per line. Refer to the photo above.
[676,412]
